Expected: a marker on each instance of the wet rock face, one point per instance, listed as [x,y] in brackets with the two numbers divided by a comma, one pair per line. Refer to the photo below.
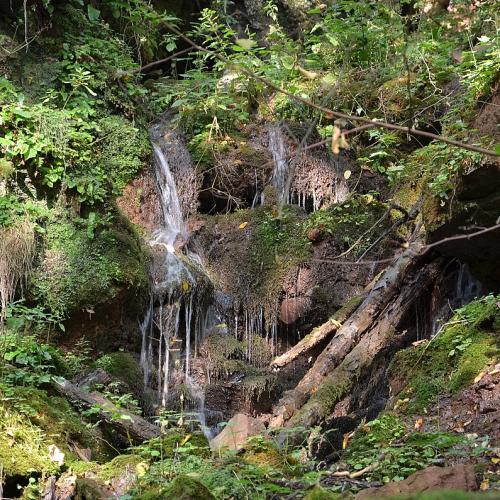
[139,202]
[477,207]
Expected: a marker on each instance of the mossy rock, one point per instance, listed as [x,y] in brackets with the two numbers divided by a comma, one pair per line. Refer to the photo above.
[55,420]
[83,266]
[23,446]
[318,493]
[181,488]
[264,454]
[451,360]
[124,367]
[167,445]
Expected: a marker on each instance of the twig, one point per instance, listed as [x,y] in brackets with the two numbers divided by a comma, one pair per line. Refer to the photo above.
[142,69]
[330,112]
[422,250]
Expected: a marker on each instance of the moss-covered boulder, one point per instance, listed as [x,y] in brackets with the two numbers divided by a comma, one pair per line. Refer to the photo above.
[181,488]
[87,262]
[451,360]
[35,428]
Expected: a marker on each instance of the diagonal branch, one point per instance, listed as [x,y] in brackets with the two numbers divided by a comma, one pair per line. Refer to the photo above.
[330,112]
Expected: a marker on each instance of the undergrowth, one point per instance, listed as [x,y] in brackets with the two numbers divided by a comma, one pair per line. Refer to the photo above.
[453,358]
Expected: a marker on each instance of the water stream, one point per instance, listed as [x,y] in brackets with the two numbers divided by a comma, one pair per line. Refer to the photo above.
[178,312]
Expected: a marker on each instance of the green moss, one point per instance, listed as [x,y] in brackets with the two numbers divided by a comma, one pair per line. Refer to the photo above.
[55,417]
[87,263]
[23,445]
[324,399]
[122,150]
[118,466]
[451,360]
[186,488]
[266,245]
[123,366]
[167,445]
[348,308]
[263,454]
[318,493]
[346,222]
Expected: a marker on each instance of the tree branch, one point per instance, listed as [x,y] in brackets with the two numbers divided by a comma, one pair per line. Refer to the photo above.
[330,112]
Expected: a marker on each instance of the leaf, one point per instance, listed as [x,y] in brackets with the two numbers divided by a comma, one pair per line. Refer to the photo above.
[142,467]
[185,440]
[310,75]
[418,423]
[479,376]
[347,174]
[345,441]
[243,225]
[93,13]
[185,286]
[484,485]
[246,43]
[336,140]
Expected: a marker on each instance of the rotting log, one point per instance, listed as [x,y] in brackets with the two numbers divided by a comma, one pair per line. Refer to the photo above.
[318,335]
[130,426]
[374,322]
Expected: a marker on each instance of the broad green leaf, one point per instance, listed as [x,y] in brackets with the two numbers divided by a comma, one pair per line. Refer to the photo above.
[93,13]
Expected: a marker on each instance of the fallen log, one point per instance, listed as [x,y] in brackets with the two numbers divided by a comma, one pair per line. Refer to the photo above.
[378,316]
[382,337]
[130,426]
[318,335]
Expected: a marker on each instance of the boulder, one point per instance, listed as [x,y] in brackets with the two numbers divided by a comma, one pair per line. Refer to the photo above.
[237,432]
[293,308]
[457,477]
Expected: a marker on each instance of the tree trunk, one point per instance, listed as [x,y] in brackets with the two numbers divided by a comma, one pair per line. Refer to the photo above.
[130,426]
[318,335]
[375,321]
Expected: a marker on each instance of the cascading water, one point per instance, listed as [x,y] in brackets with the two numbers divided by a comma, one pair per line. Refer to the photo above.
[178,310]
[315,179]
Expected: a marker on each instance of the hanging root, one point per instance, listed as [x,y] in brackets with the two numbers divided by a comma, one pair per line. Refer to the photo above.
[17,250]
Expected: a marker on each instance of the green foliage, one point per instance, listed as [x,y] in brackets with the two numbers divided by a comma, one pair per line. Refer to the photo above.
[347,221]
[30,362]
[183,488]
[441,165]
[174,441]
[396,452]
[84,267]
[452,359]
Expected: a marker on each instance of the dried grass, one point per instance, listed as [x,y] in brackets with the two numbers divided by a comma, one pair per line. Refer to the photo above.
[17,250]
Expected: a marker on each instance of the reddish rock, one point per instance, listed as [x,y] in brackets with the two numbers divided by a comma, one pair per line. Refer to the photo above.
[237,432]
[292,309]
[139,202]
[314,234]
[458,477]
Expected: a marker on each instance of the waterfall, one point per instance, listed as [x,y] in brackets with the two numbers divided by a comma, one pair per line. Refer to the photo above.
[170,203]
[316,179]
[178,309]
[459,288]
